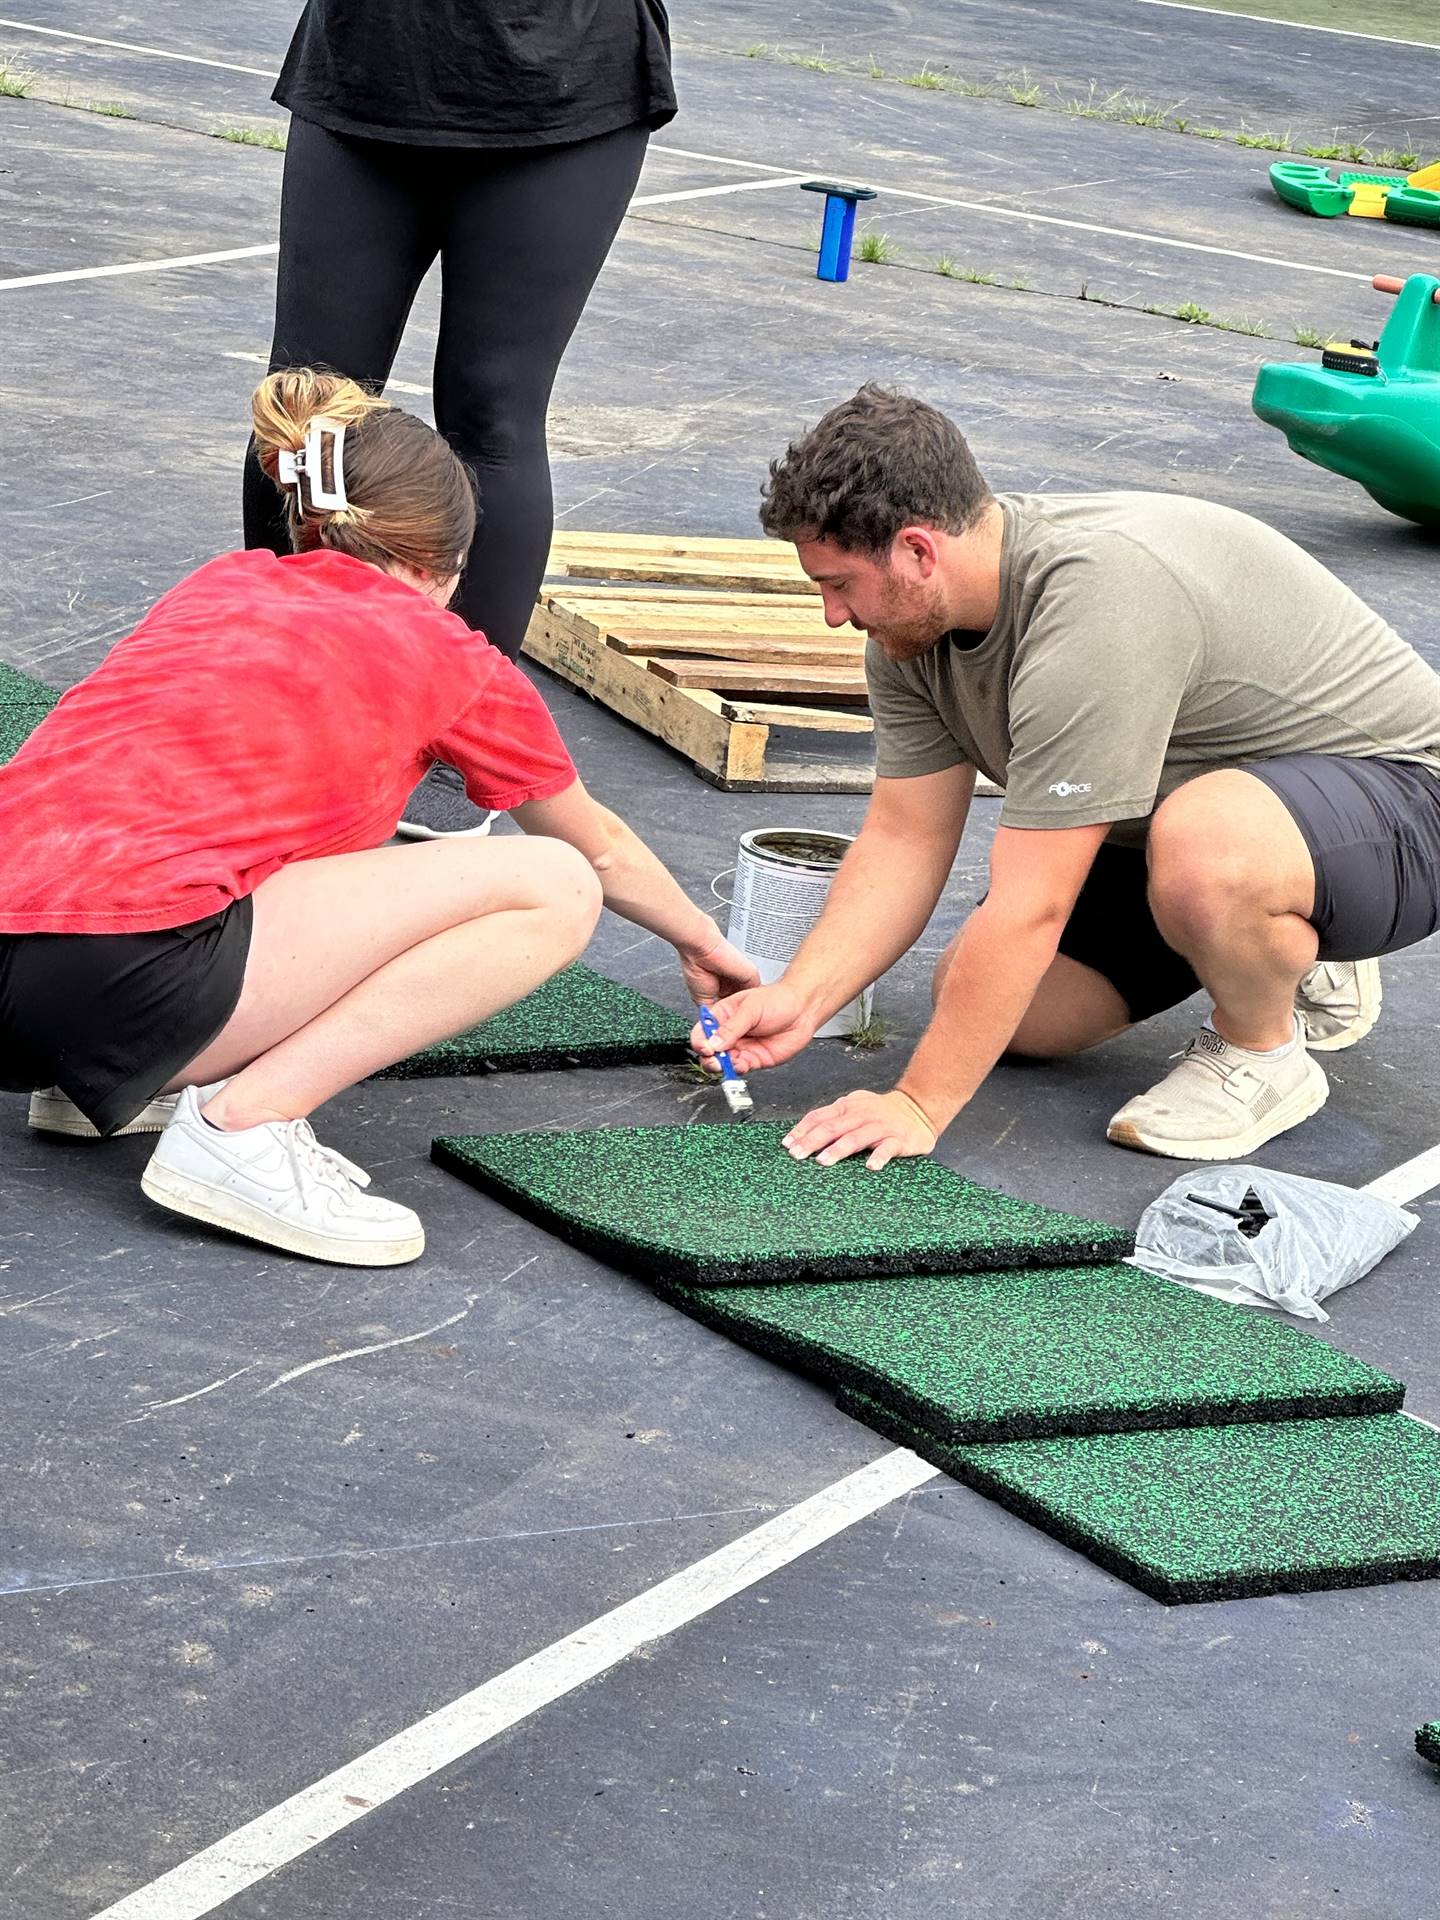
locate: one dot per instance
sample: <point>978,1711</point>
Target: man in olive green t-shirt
<point>1220,769</point>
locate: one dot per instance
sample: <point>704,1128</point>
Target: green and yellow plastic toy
<point>1413,198</point>
<point>1371,413</point>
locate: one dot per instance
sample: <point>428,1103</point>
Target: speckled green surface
<point>1427,1741</point>
<point>23,689</point>
<point>24,703</point>
<point>724,1205</point>
<point>578,1019</point>
<point>1218,1513</point>
<point>1011,1355</point>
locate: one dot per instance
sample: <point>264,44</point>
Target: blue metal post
<point>836,238</point>
<point>837,232</point>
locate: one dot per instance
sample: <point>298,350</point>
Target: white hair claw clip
<point>308,460</point>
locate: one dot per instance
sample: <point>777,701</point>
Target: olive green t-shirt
<point>1141,639</point>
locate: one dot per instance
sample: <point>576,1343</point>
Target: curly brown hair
<point>874,464</point>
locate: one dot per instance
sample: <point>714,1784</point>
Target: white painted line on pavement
<point>706,193</point>
<point>1117,233</point>
<point>139,266</point>
<point>1303,26</point>
<point>1409,1180</point>
<point>256,1850</point>
<point>263,360</point>
<point>129,46</point>
<point>254,253</point>
<point>717,159</point>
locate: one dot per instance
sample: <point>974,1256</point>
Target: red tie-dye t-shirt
<point>266,710</point>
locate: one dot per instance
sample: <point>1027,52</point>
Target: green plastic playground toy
<point>1416,206</point>
<point>1372,415</point>
<point>1407,197</point>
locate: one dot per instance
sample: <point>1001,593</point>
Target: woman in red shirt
<point>201,928</point>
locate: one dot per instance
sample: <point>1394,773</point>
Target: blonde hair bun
<point>284,404</point>
<point>405,498</point>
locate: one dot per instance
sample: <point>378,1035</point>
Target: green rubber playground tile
<point>24,703</point>
<point>725,1205</point>
<point>576,1019</point>
<point>1218,1513</point>
<point>1016,1355</point>
<point>23,689</point>
<point>1427,1742</point>
<point>17,723</point>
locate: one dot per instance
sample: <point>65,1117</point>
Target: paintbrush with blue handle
<point>737,1094</point>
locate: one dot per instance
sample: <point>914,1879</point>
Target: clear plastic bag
<point>1268,1239</point>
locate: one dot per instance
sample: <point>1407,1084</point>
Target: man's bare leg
<point>1074,1008</point>
<point>1232,886</point>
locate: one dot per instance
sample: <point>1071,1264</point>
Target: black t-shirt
<point>479,73</point>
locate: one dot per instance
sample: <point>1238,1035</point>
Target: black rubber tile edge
<point>1136,1573</point>
<point>877,1387</point>
<point>628,1256</point>
<point>21,689</point>
<point>652,1053</point>
<point>1427,1742</point>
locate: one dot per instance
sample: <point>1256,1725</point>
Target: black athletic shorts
<point>110,1017</point>
<point>1373,830</point>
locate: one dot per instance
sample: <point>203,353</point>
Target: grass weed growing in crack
<point>271,137</point>
<point>1119,106</point>
<point>16,81</point>
<point>1271,142</point>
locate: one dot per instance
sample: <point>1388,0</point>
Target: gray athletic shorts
<point>1373,830</point>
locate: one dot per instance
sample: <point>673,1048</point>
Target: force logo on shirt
<point>1064,788</point>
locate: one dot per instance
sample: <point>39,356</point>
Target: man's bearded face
<point>904,617</point>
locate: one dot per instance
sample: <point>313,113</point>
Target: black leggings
<point>521,234</point>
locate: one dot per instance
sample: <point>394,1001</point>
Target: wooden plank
<point>723,749</point>
<point>836,683</point>
<point>674,593</point>
<point>811,719</point>
<point>799,776</point>
<point>668,567</point>
<point>570,540</point>
<point>735,646</point>
<point>700,616</point>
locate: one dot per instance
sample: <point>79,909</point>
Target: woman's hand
<point>890,1126</point>
<point>713,970</point>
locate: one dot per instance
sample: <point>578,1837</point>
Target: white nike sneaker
<point>1221,1103</point>
<point>275,1183</point>
<point>52,1112</point>
<point>1338,1002</point>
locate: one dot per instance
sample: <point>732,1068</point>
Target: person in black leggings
<point>503,137</point>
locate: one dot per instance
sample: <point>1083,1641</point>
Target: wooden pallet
<point>710,645</point>
<point>767,566</point>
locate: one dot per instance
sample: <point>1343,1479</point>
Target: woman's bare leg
<point>358,959</point>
